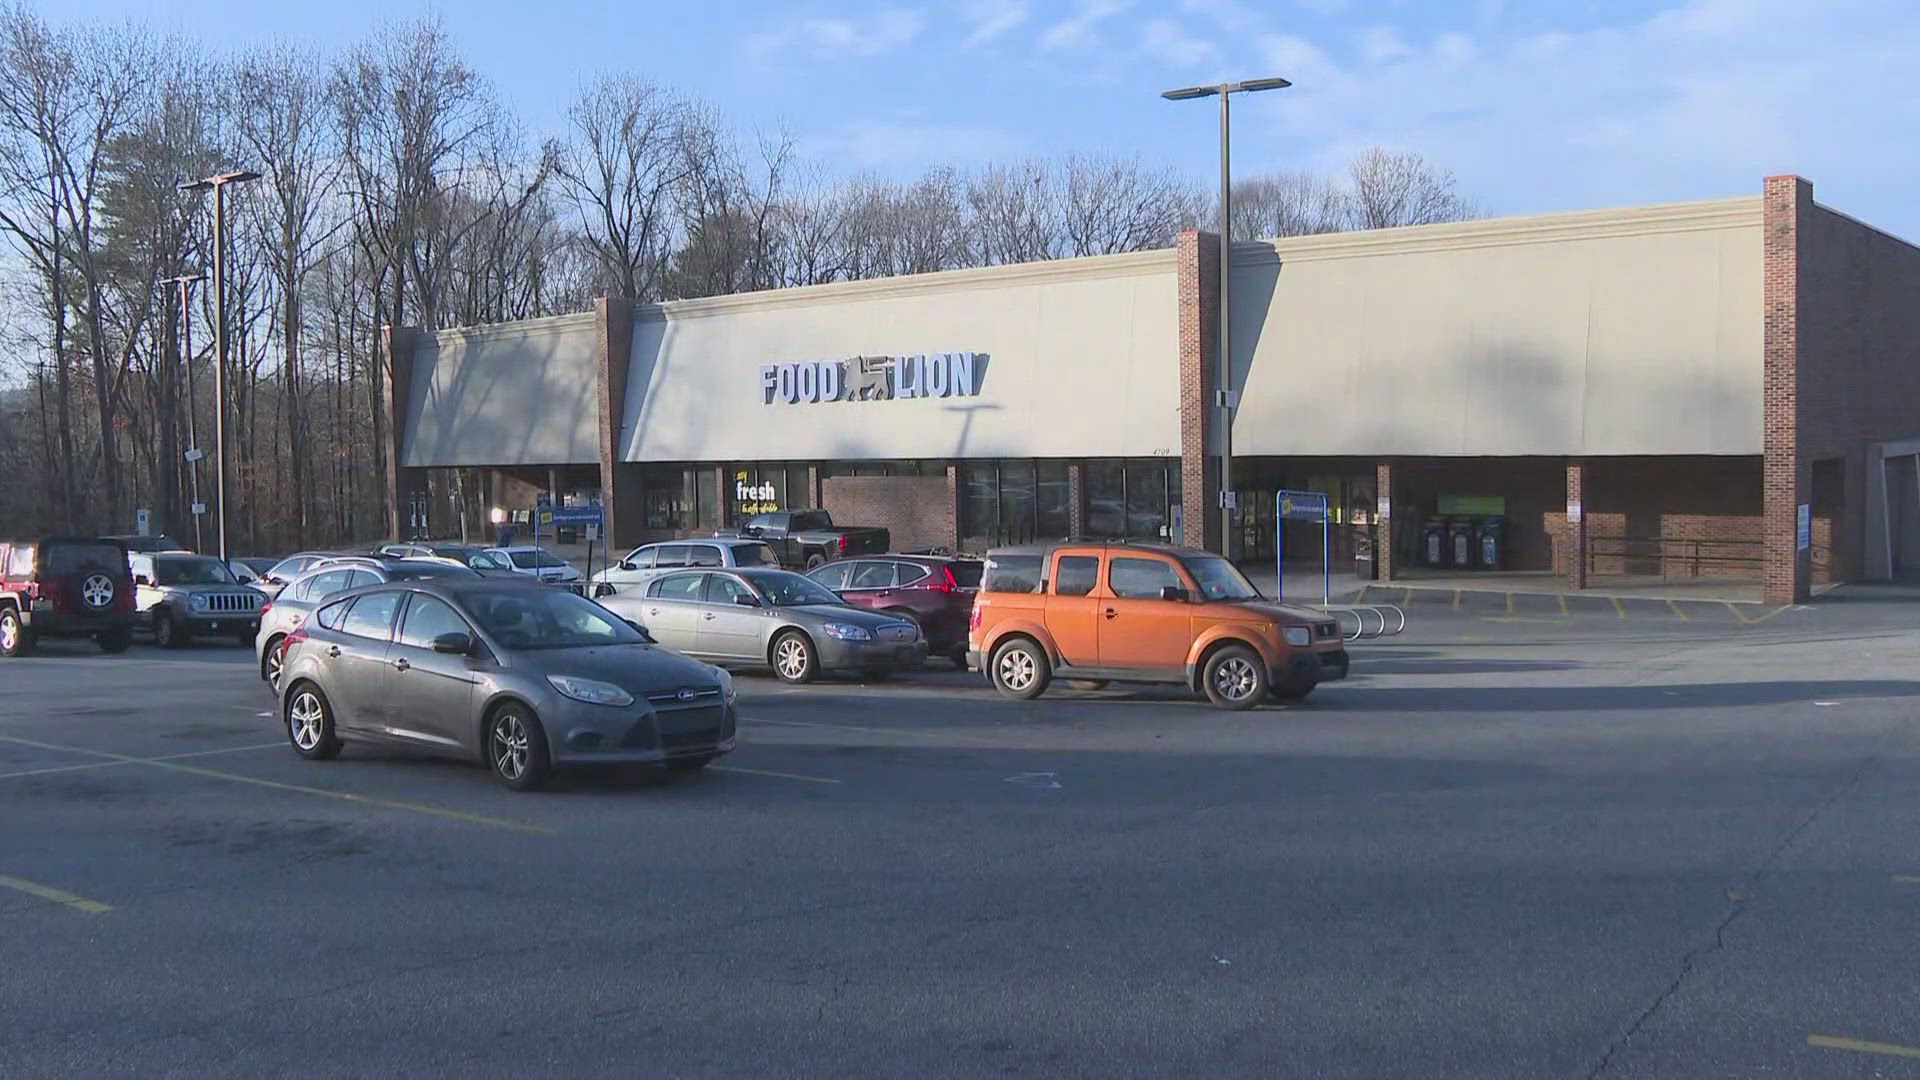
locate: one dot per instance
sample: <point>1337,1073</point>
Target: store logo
<point>872,378</point>
<point>745,492</point>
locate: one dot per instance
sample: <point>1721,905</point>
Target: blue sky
<point>1535,104</point>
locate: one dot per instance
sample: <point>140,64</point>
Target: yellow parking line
<point>1678,614</point>
<point>1509,603</point>
<point>1735,611</point>
<point>769,772</point>
<point>1769,614</point>
<point>1618,608</point>
<point>1563,603</point>
<point>137,761</point>
<point>58,896</point>
<point>1835,1042</point>
<point>1906,879</point>
<point>65,768</point>
<point>1456,599</point>
<point>391,804</point>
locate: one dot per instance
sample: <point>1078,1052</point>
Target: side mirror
<point>1173,592</point>
<point>741,600</point>
<point>625,565</point>
<point>639,629</point>
<point>142,579</point>
<point>455,644</point>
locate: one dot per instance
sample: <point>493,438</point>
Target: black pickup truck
<point>804,539</point>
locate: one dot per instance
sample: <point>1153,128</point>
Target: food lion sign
<point>871,378</point>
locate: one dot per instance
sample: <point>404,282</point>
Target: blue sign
<point>1301,506</point>
<point>571,515</point>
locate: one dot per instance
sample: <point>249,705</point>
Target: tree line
<point>397,188</point>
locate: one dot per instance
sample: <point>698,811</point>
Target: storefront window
<point>1132,499</point>
<point>679,497</point>
<point>883,468</point>
<point>1014,501</point>
<point>764,487</point>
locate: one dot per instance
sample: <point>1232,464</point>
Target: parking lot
<point>1614,847</point>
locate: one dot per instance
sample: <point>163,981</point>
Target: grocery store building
<point>1725,389</point>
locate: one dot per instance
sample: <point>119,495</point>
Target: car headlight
<point>198,601</point>
<point>590,691</point>
<point>1299,636</point>
<point>847,632</point>
<point>727,692</point>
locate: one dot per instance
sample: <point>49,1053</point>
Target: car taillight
<point>842,544</point>
<point>54,592</point>
<point>123,600</point>
<point>943,583</point>
<point>973,617</point>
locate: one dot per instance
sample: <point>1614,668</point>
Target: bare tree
<point>1392,189</point>
<point>620,169</point>
<point>1119,205</point>
<point>1287,204</point>
<point>1016,210</point>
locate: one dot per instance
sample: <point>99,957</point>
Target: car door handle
<point>401,664</point>
<point>333,651</point>
<point>1111,613</point>
<point>708,615</point>
<point>653,611</point>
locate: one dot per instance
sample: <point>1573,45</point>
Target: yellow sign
<point>1286,506</point>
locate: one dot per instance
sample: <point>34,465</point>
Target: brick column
<point>1576,525</point>
<point>1786,475</point>
<point>1077,499</point>
<point>400,344</point>
<point>1197,256</point>
<point>951,522</point>
<point>722,479</point>
<point>622,503</point>
<point>1383,553</point>
<point>813,487</point>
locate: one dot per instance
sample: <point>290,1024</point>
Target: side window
<point>321,586</point>
<point>833,575</point>
<point>767,521</point>
<point>361,577</point>
<point>331,615</point>
<point>670,556</point>
<point>912,573</point>
<point>872,575</point>
<point>722,589</point>
<point>1074,575</point>
<point>682,587</point>
<point>1140,579</point>
<point>643,559</point>
<point>3,561</point>
<point>705,555</point>
<point>371,616</point>
<point>427,618</point>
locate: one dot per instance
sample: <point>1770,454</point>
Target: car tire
<point>167,633</point>
<point>688,764</point>
<point>15,638</point>
<point>308,717</point>
<point>1234,678</point>
<point>1020,669</point>
<point>516,747</point>
<point>794,658</point>
<point>114,642</point>
<point>273,662</point>
<point>815,561</point>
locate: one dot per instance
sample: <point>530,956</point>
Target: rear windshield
<point>1011,573</point>
<point>754,555</point>
<point>70,558</point>
<point>412,571</point>
<point>528,560</point>
<point>811,522</point>
<point>966,573</point>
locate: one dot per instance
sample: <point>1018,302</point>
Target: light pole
<point>1225,397</point>
<point>186,283</point>
<point>219,185</point>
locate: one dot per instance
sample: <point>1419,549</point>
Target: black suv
<point>65,586</point>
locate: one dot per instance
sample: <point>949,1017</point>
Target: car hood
<point>851,615</point>
<point>207,590</point>
<point>1268,609</point>
<point>637,669</point>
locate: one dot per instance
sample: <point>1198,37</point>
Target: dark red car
<point>933,591</point>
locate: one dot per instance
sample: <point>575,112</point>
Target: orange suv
<point>1144,613</point>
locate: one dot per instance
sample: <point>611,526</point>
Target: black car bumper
<point>1312,668</point>
<point>47,622</point>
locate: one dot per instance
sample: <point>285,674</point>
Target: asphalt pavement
<point>1632,847</point>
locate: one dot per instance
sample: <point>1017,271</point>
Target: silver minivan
<point>650,561</point>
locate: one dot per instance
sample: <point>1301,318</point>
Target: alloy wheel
<point>1015,669</point>
<point>791,658</point>
<point>508,747</point>
<point>276,664</point>
<point>9,634</point>
<point>97,591</point>
<point>1235,679</point>
<point>306,719</point>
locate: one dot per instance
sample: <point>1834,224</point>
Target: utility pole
<point>193,454</point>
<point>219,185</point>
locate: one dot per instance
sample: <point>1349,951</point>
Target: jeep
<point>181,596</point>
<point>1151,613</point>
<point>67,586</point>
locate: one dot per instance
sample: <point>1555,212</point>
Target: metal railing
<point>1388,618</point>
<point>1685,558</point>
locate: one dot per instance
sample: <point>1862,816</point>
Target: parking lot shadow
<point>1602,698</point>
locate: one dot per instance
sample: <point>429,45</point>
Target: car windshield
<point>244,572</point>
<point>753,555</point>
<point>528,560</point>
<point>71,558</point>
<point>536,618</point>
<point>474,557</point>
<point>199,571</point>
<point>1220,580</point>
<point>792,590</point>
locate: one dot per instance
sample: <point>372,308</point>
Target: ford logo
<point>688,694</point>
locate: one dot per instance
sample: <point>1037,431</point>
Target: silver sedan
<point>773,618</point>
<point>520,677</point>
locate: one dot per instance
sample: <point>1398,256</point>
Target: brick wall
<point>1675,517</point>
<point>1787,201</point>
<point>1197,257</point>
<point>920,511</point>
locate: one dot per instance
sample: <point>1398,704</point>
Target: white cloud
<point>1166,41</point>
<point>897,144</point>
<point>1701,99</point>
<point>992,18</point>
<point>1077,30</point>
<point>874,34</point>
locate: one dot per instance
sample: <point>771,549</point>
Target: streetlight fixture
<point>219,184</point>
<point>193,455</point>
<point>1225,397</point>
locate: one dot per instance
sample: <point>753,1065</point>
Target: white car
<point>539,562</point>
<point>649,561</point>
